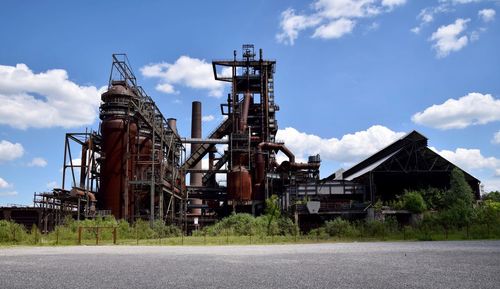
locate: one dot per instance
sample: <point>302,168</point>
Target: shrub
<point>339,227</point>
<point>413,202</point>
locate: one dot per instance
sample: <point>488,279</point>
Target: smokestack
<point>172,123</point>
<point>195,179</point>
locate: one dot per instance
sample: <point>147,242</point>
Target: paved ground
<point>474,264</point>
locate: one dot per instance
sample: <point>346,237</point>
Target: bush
<point>163,230</point>
<point>12,232</point>
<point>413,202</point>
<point>245,224</point>
<point>340,228</point>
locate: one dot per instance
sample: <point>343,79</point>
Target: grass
<point>410,235</point>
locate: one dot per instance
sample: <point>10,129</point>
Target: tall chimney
<point>172,123</point>
<point>195,179</point>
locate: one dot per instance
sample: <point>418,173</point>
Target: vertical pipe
<point>152,189</point>
<point>196,178</point>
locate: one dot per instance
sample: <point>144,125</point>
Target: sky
<point>352,76</point>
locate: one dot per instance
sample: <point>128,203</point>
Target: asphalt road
<point>474,264</point>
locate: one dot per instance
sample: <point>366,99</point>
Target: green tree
<point>492,196</point>
<point>458,201</point>
<point>413,202</point>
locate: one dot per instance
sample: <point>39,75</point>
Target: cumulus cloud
<point>4,184</point>
<point>469,159</point>
<point>348,149</point>
<point>334,29</point>
<point>185,71</point>
<point>331,18</point>
<point>46,99</point>
<point>207,118</point>
<point>487,15</point>
<point>496,138</point>
<point>450,38</point>
<point>473,161</point>
<point>291,24</point>
<point>37,162</point>
<point>10,151</point>
<point>472,109</point>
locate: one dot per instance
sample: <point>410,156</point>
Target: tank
<point>118,132</point>
<point>239,184</point>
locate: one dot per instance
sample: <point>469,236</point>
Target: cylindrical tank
<point>239,184</point>
<point>260,177</point>
<point>113,169</point>
<point>114,128</point>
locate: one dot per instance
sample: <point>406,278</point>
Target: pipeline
<point>244,112</point>
<point>82,193</point>
<point>277,146</point>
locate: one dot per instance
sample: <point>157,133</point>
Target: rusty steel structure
<point>249,131</point>
<point>130,168</point>
<point>135,166</point>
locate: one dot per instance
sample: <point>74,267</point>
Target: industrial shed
<point>406,164</point>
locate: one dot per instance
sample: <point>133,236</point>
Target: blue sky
<point>352,75</point>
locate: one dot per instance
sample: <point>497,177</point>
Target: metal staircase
<point>196,156</point>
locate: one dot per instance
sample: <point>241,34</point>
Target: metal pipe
<point>277,146</point>
<point>244,111</point>
<point>204,141</point>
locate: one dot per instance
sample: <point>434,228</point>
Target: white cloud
<point>470,159</point>
<point>461,1</point>
<point>449,38</point>
<point>473,161</point>
<point>46,99</point>
<point>4,184</point>
<point>331,18</point>
<point>166,88</point>
<point>427,15</point>
<point>416,30</point>
<point>348,149</point>
<point>291,24</point>
<point>487,15</point>
<point>186,71</point>
<point>496,138</point>
<point>10,151</point>
<point>472,109</point>
<point>334,9</point>
<point>492,184</point>
<point>334,29</point>
<point>393,3</point>
<point>8,194</point>
<point>37,162</point>
<point>207,118</point>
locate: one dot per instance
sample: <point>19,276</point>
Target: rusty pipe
<point>276,146</point>
<point>244,112</point>
<point>289,166</point>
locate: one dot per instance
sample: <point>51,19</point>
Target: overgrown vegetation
<point>451,214</point>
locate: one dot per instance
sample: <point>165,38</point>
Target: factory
<point>137,166</point>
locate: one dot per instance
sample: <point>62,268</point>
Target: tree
<point>413,202</point>
<point>492,196</point>
<point>458,202</point>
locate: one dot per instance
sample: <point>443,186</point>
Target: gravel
<point>464,264</point>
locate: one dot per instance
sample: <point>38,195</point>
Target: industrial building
<point>135,166</point>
